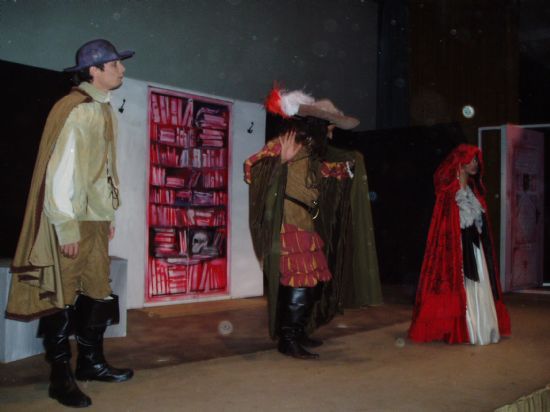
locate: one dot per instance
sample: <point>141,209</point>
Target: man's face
<point>110,77</point>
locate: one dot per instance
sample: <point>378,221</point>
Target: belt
<point>312,210</point>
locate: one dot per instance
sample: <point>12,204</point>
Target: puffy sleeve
<point>63,176</point>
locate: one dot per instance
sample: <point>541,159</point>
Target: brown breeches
<point>88,273</point>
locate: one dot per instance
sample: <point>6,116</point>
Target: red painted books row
<point>196,243</point>
<point>168,278</point>
<point>182,217</point>
<point>187,197</point>
<point>170,156</point>
<point>170,110</point>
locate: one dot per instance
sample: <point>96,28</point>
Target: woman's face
<point>471,168</point>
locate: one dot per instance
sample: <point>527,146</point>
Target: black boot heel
<point>294,349</point>
<point>309,342</point>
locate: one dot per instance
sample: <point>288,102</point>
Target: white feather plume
<point>291,101</point>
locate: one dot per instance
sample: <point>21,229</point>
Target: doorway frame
<point>503,180</point>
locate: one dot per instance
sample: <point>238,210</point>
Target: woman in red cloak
<point>459,299</point>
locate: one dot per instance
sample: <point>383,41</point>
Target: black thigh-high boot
<point>56,329</point>
<point>293,309</point>
<point>93,317</point>
<point>314,294</point>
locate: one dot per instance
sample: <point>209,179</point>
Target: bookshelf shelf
<point>188,195</point>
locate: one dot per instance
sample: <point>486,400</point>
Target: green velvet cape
<point>344,224</point>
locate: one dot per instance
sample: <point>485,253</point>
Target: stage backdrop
<point>233,48</point>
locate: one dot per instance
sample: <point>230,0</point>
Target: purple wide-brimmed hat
<point>97,52</point>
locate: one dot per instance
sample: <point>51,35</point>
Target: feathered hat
<point>291,103</point>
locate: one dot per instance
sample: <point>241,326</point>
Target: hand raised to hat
<point>289,147</point>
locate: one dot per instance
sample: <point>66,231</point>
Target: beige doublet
<point>296,187</point>
<point>77,186</point>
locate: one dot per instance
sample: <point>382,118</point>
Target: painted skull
<point>200,240</point>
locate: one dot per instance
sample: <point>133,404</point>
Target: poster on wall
<point>188,210</point>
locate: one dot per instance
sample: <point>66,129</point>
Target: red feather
<point>273,102</point>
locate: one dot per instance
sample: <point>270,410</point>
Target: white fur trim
<point>470,209</point>
<point>291,101</point>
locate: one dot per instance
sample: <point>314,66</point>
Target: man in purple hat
<point>61,266</point>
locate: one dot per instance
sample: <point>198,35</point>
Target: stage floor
<point>220,358</point>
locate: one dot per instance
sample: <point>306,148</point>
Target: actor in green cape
<point>60,272</point>
<point>311,222</point>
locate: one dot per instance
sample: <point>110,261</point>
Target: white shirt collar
<point>96,94</point>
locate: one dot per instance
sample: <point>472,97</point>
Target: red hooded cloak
<point>440,308</point>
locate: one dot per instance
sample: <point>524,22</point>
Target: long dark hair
<point>311,132</point>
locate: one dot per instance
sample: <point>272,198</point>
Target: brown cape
<point>36,279</point>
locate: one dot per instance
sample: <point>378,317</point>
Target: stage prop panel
<point>516,183</point>
<point>188,192</point>
<point>525,205</point>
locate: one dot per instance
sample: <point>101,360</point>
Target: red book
<point>188,115</point>
<point>163,109</point>
<point>173,110</point>
<point>155,112</point>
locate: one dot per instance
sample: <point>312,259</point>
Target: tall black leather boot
<point>293,309</point>
<point>314,294</point>
<point>93,317</point>
<point>56,329</point>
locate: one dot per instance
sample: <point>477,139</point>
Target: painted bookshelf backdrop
<point>188,196</point>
